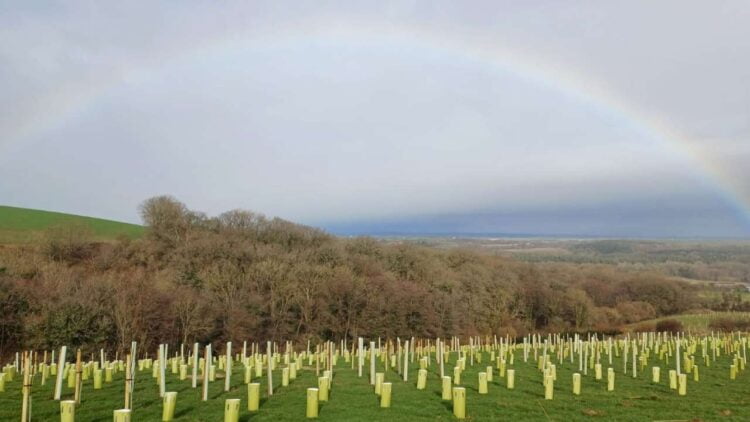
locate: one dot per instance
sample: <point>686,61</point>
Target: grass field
<point>696,323</point>
<point>714,397</point>
<point>22,225</point>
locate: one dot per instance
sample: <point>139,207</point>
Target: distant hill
<point>23,225</point>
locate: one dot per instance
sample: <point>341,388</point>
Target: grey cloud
<point>105,105</point>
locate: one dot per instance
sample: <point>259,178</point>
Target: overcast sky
<point>605,118</point>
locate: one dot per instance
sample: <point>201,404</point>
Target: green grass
<point>696,323</point>
<point>715,397</point>
<point>23,225</point>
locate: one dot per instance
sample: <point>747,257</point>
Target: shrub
<point>70,244</point>
<point>636,311</point>
<point>644,327</point>
<point>669,325</point>
<point>729,324</point>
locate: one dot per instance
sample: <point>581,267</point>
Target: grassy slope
<point>22,225</point>
<point>715,397</point>
<point>695,323</point>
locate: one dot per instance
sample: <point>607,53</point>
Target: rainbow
<point>67,104</point>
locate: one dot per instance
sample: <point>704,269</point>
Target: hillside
<point>23,225</point>
<point>241,274</point>
<point>700,323</point>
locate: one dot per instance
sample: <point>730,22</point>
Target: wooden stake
<point>196,352</point>
<point>162,369</point>
<point>270,367</point>
<point>79,370</point>
<point>360,355</point>
<point>128,380</point>
<point>372,363</point>
<point>26,403</point>
<point>406,361</point>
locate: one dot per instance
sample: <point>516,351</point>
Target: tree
<point>669,325</point>
<point>69,243</point>
<point>577,308</point>
<point>13,308</point>
<point>168,220</point>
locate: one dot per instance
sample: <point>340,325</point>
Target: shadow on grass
<point>448,406</point>
<point>248,417</point>
<point>184,412</point>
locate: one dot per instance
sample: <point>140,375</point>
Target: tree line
<point>243,276</point>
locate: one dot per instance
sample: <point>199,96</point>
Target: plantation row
<point>644,377</point>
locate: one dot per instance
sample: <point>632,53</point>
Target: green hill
<point>23,225</point>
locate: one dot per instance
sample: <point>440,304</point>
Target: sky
<point>576,118</point>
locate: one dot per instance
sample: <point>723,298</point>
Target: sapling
<point>253,396</point>
<point>385,394</point>
<point>312,403</point>
<point>511,378</point>
<point>459,402</point>
<point>232,410</point>
<point>122,415</point>
<point>67,411</point>
<point>169,403</point>
<point>682,382</point>
<point>482,383</point>
<point>422,379</point>
<point>447,393</point>
<point>97,379</point>
<point>323,388</point>
<point>379,378</point>
<point>549,387</point>
<point>248,373</point>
